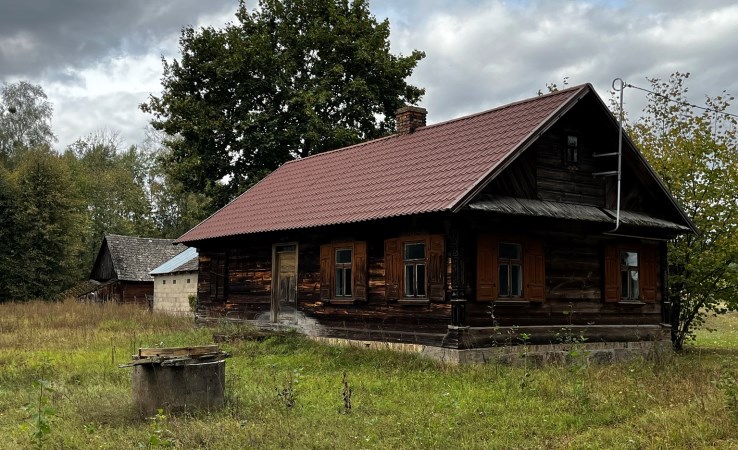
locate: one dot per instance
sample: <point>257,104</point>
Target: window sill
<point>413,301</point>
<point>631,303</point>
<point>347,301</point>
<point>507,302</point>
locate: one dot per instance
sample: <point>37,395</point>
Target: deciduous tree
<point>696,154</point>
<point>290,79</point>
<point>25,119</point>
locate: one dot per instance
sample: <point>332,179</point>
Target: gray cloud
<point>97,60</point>
<point>48,38</point>
<point>487,53</point>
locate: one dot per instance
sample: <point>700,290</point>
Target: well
<point>181,379</point>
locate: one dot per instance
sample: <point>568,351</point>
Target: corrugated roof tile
<point>425,171</point>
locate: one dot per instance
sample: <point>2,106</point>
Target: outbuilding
<point>175,283</point>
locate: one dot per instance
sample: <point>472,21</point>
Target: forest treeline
<point>56,206</point>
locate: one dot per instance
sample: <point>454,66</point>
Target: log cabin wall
<point>574,265</point>
<point>137,292</point>
<point>247,294</point>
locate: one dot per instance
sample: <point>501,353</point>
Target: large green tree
<point>289,79</point>
<point>696,154</point>
<point>46,215</point>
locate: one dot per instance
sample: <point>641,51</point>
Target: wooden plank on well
<point>177,351</point>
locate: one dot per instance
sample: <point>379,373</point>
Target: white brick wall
<point>171,292</point>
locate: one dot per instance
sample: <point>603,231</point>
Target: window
<point>510,269</point>
<point>572,150</point>
<point>188,281</point>
<point>174,281</point>
<point>343,272</point>
<point>416,269</point>
<point>631,273</point>
<point>629,288</point>
<point>163,281</point>
<point>414,262</point>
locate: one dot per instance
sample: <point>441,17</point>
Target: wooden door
<point>284,285</point>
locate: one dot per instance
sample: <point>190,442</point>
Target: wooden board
<point>177,351</point>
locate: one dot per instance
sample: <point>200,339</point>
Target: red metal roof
<point>429,170</point>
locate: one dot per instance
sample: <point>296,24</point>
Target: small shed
<point>175,282</point>
<point>122,268</point>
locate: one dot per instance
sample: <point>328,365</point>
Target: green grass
<point>399,400</point>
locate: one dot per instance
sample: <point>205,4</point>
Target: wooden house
<point>448,235</point>
<point>174,282</point>
<point>122,268</point>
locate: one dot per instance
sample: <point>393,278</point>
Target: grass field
<point>398,400</point>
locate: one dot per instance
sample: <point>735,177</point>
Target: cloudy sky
<point>99,59</point>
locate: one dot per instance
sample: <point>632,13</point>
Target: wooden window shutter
<point>326,271</point>
<point>392,268</point>
<point>648,273</point>
<point>534,271</point>
<point>360,270</point>
<point>437,268</point>
<point>487,267</point>
<point>612,274</point>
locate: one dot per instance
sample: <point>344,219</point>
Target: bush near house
<point>397,400</point>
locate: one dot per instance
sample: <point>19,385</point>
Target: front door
<point>284,284</point>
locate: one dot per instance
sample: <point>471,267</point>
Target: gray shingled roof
<point>134,257</point>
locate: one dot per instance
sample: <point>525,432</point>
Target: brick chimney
<point>410,118</point>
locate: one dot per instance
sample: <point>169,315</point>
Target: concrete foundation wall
<point>172,292</point>
<point>594,352</point>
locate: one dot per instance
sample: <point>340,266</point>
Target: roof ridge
<point>137,237</point>
<point>445,122</point>
<point>508,105</point>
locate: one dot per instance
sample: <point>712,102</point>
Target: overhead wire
<point>680,102</point>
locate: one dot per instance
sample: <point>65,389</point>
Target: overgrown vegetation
<point>396,400</point>
<point>696,154</point>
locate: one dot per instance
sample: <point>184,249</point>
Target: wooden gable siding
<point>541,172</point>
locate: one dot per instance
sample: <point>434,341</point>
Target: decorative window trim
<point>435,266</point>
<point>328,268</point>
<point>533,269</point>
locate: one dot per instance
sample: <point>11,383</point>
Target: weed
<point>287,391</point>
<point>160,436</point>
<point>39,422</point>
<point>346,394</point>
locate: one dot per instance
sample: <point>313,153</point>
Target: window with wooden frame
<point>631,273</point>
<point>415,268</point>
<point>414,263</point>
<point>344,280</point>
<point>343,270</point>
<point>510,268</point>
<point>510,264</point>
